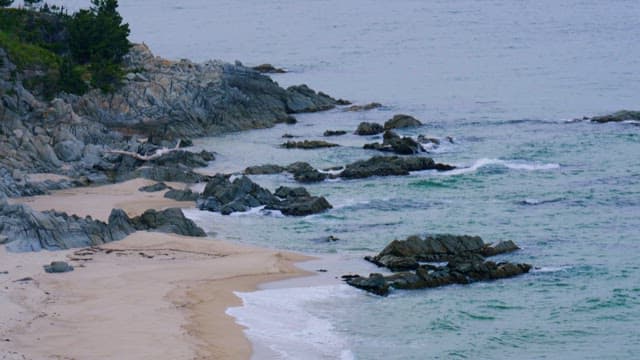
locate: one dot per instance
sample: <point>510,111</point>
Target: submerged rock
<point>369,106</point>
<point>334,133</point>
<point>308,144</point>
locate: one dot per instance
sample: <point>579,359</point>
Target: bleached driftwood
<point>155,155</point>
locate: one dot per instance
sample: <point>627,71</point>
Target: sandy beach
<point>149,296</point>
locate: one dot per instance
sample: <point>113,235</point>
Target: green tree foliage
<point>5,3</point>
<point>98,38</point>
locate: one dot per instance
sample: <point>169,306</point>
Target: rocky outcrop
<point>183,98</point>
<point>301,171</point>
<point>25,229</point>
<point>308,144</point>
<point>367,128</point>
<point>401,121</point>
<point>465,256</point>
<point>390,166</point>
<point>622,115</point>
<point>405,254</point>
<point>225,196</point>
<point>392,142</point>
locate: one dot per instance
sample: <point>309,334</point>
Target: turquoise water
<point>502,78</point>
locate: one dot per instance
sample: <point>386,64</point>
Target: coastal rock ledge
<point>465,256</point>
<point>187,99</point>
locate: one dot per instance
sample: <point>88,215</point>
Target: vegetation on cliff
<point>54,51</point>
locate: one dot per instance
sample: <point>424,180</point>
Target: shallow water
<point>502,78</point>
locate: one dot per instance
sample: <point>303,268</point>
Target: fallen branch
<point>155,155</point>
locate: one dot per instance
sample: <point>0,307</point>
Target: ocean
<point>505,80</point>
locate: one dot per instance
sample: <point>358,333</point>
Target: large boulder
<point>171,220</point>
<point>69,150</point>
<point>401,121</point>
<point>367,128</point>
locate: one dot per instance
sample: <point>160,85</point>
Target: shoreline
<point>157,294</point>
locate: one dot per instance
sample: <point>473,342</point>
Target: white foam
<point>510,164</point>
<point>279,322</point>
<point>546,269</point>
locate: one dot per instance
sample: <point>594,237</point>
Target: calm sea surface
<point>502,78</point>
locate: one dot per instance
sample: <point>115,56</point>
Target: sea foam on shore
<point>281,323</point>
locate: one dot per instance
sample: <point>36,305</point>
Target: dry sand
<point>149,296</point>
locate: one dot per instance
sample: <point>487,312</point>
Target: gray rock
<point>242,194</point>
<point>618,116</point>
<point>308,144</point>
<point>154,187</point>
<point>267,169</point>
<point>30,230</point>
<point>367,128</point>
<point>69,150</point>
<point>370,106</point>
<point>401,121</point>
<point>268,69</point>
<point>334,133</point>
<point>305,173</point>
<point>181,195</point>
<point>58,267</point>
<point>396,144</point>
<point>390,166</point>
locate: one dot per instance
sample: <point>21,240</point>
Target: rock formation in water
<point>465,256</point>
<point>225,196</point>
<point>392,142</point>
<point>622,115</point>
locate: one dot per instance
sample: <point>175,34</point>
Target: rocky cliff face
<point>160,100</point>
<point>182,98</point>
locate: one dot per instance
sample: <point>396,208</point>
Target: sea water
<point>504,79</point>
